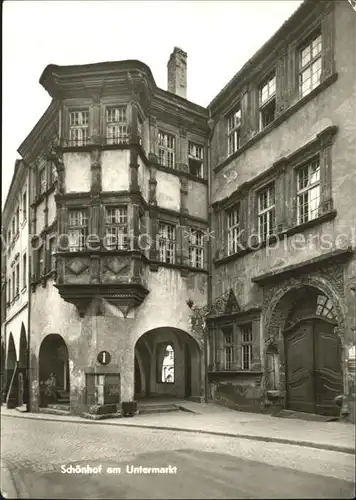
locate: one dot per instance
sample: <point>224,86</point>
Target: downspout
<point>210,254</point>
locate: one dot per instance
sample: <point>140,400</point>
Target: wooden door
<point>299,346</point>
<point>328,376</point>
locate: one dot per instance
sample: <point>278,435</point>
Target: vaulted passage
<point>53,370</point>
<point>167,364</point>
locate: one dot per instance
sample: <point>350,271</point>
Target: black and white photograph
<point>178,249</point>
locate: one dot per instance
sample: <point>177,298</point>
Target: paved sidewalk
<point>213,419</point>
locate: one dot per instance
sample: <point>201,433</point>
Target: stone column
<point>182,151</point>
<point>245,117</point>
<point>326,142</point>
<point>280,193</point>
<point>281,83</point>
<point>328,42</point>
<point>182,237</point>
<point>153,135</point>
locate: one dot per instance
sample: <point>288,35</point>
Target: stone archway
<point>22,376</point>
<point>303,326</point>
<point>168,362</point>
<point>54,370</point>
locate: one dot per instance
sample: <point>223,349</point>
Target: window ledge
<point>277,121</point>
<point>328,216</point>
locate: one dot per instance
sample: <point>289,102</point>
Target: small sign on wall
<point>104,357</point>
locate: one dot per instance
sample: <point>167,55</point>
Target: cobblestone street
<point>207,466</point>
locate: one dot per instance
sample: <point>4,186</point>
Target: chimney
<point>177,73</point>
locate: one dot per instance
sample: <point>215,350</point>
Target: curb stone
<point>266,439</point>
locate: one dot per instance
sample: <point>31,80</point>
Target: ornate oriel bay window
<point>77,229</point>
<point>116,228</point>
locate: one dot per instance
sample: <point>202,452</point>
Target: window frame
<point>234,131</point>
<point>140,129</point>
<point>229,348</point>
<point>196,251</point>
<point>42,180</point>
<point>231,237</point>
<point>167,150</point>
<point>308,42</point>
<point>196,159</point>
<point>167,241</point>
<point>80,247</point>
<point>271,99</point>
<point>122,126</point>
<point>24,206</point>
<point>271,208</point>
<point>86,140</point>
<point>300,192</point>
<point>24,270</point>
<point>17,274</point>
<point>17,219</point>
<point>52,255</point>
<point>246,344</point>
<point>118,226</point>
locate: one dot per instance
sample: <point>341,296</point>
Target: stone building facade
<point>118,214</point>
<point>14,290</point>
<point>283,182</point>
<point>221,238</point>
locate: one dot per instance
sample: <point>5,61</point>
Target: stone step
<point>311,417</point>
<point>54,411</point>
<point>22,409</point>
<point>144,409</point>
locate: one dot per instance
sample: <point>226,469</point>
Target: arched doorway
<point>22,376</point>
<point>167,364</point>
<point>54,370</point>
<point>10,374</point>
<point>310,351</point>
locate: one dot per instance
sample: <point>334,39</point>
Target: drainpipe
<point>210,260</point>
